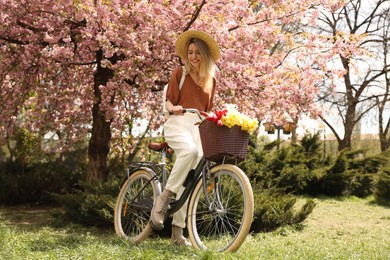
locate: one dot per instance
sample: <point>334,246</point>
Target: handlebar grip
<point>190,110</point>
<point>183,111</point>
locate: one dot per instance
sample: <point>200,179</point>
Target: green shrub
<point>33,182</point>
<point>293,168</point>
<point>276,176</point>
<point>93,205</point>
<point>333,182</point>
<point>358,184</point>
<point>89,209</point>
<point>382,185</point>
<point>352,174</point>
<point>274,208</point>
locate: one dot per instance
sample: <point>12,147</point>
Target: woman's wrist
<point>174,110</point>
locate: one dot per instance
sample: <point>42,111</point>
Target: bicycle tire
<point>134,205</point>
<point>223,224</point>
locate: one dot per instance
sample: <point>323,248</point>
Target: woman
<point>199,51</point>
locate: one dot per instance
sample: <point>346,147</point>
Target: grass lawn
<point>341,228</point>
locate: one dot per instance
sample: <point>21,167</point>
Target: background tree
<point>89,67</point>
<point>355,36</point>
<point>382,100</point>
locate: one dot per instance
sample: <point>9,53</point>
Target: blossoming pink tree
<point>76,67</point>
<point>360,36</point>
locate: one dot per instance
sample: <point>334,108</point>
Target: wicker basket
<point>221,142</point>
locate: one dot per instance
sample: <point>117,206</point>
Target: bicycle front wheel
<point>134,205</point>
<point>220,220</point>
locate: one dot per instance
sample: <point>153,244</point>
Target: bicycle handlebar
<point>191,110</point>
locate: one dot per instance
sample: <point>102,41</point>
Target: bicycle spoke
<point>133,207</point>
<point>217,220</point>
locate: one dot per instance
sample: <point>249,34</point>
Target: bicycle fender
<point>154,177</point>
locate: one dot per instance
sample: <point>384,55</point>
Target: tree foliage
<point>76,67</point>
<point>360,36</point>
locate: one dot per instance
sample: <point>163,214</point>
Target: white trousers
<point>182,135</point>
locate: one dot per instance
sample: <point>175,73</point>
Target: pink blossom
<point>48,70</point>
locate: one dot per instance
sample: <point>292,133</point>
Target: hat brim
<point>185,37</point>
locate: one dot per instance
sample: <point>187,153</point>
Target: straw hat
<point>185,37</point>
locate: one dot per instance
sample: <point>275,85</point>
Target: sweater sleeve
<point>173,90</point>
<point>211,104</point>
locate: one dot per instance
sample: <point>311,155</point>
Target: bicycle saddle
<point>159,146</point>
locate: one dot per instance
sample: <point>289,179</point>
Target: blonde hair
<point>207,66</point>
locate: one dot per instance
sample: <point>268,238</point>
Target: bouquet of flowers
<point>229,116</point>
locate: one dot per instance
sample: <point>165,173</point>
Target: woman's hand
<point>176,110</point>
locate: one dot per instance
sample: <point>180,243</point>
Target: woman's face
<point>194,56</point>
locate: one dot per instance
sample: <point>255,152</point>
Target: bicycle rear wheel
<point>223,222</point>
<point>134,205</point>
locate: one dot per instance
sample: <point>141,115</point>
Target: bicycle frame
<point>160,176</point>
<point>200,172</point>
<point>220,202</point>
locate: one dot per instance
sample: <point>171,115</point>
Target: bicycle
<point>220,208</point>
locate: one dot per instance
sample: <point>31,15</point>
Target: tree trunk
<point>294,137</point>
<point>98,147</point>
<point>384,127</point>
<point>385,143</point>
<point>99,143</point>
<point>349,122</point>
<point>346,142</point>
<point>383,131</point>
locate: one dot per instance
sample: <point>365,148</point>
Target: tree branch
<point>331,128</point>
<point>10,40</point>
<point>194,16</point>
